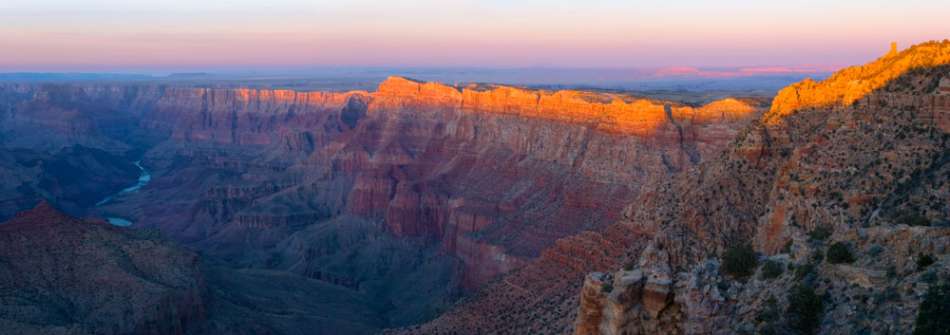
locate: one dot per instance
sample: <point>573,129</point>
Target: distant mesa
<point>686,72</point>
<point>69,77</point>
<point>190,75</point>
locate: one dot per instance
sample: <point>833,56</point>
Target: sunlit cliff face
<point>854,83</point>
<point>607,112</point>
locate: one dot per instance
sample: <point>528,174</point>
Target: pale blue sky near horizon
<point>99,35</point>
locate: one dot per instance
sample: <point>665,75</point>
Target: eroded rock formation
<point>839,189</point>
<point>375,192</point>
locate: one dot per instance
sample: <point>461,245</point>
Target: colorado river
<point>144,178</point>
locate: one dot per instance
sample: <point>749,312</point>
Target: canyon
<point>385,206</point>
<point>425,208</point>
<point>827,215</point>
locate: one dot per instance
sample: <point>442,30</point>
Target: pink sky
<point>100,35</point>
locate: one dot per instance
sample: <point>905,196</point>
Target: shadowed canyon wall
<point>417,189</point>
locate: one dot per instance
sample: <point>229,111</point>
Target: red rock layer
<point>606,112</point>
<point>242,116</point>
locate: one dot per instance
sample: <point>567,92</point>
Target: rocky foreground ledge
<point>831,215</point>
<point>60,275</point>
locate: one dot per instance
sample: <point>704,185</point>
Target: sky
<point>190,35</point>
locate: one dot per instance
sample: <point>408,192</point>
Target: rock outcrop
<point>847,86</point>
<point>839,189</point>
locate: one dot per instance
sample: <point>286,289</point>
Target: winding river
<point>144,178</point>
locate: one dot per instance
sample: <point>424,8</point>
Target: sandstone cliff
<point>607,112</point>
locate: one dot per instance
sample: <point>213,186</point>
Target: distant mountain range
<point>765,79</point>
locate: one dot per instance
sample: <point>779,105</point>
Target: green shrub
<point>804,309</point>
<point>840,253</point>
<point>818,257</point>
<point>739,261</point>
<point>769,311</point>
<point>820,233</point>
<point>934,314</point>
<point>723,285</point>
<point>923,261</point>
<point>803,271</point>
<point>887,294</point>
<point>928,277</point>
<point>629,266</point>
<point>772,269</point>
<point>787,248</point>
<point>914,219</point>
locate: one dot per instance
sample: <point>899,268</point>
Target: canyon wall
<point>867,174</point>
<point>840,191</point>
<point>493,174</point>
<point>551,212</point>
<point>468,183</point>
